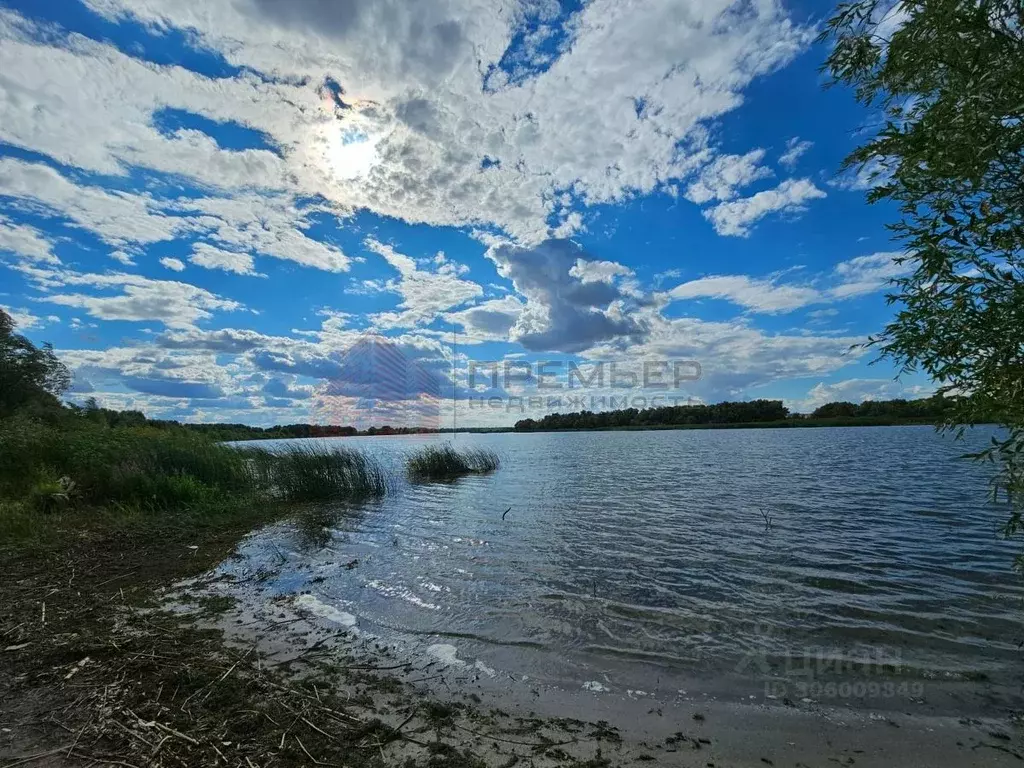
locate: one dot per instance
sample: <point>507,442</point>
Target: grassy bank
<point>71,474</point>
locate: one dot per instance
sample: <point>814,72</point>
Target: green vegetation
<point>756,413</point>
<point>312,473</point>
<point>947,77</point>
<point>445,463</point>
<point>69,469</point>
<point>74,467</point>
<point>30,377</point>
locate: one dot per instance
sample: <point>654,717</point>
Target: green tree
<point>946,78</point>
<point>28,374</point>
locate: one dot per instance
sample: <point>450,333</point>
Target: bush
<point>445,463</point>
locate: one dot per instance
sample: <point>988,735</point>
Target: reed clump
<point>445,463</point>
<point>318,473</point>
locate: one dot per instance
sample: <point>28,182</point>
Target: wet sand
<point>509,719</point>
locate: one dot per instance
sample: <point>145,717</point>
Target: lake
<point>861,564</point>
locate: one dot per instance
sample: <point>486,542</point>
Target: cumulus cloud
<point>857,391</point>
<point>395,106</point>
<point>280,388</point>
<point>425,294</point>
<point>563,312</point>
<point>117,217</point>
<point>738,216</point>
<point>270,225</point>
<point>172,387</point>
<point>26,242</point>
<point>733,355</point>
<point>175,265</point>
<point>599,271</point>
<point>445,112</point>
<point>720,179</point>
<point>205,255</point>
<point>489,321</point>
<point>23,319</point>
<point>153,371</point>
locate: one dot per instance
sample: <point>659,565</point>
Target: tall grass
<point>445,463</point>
<point>314,473</point>
<point>54,472</point>
<point>90,464</point>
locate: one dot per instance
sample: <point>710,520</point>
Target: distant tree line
<point>216,431</point>
<point>754,412</point>
<point>674,415</point>
<point>931,409</point>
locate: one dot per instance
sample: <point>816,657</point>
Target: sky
<point>205,205</point>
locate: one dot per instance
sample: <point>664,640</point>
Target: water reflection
<point>646,553</point>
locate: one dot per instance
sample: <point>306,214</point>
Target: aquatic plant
<point>317,473</point>
<point>444,463</point>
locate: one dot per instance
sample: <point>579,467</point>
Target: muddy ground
<point>103,663</point>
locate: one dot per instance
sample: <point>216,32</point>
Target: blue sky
<point>205,203</point>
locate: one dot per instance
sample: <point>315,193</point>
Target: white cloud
<point>23,319</point>
<point>425,295</point>
<point>26,242</point>
<point>733,355</point>
<point>412,76</point>
<point>765,296</point>
<point>795,149</point>
<point>86,104</point>
<point>720,179</point>
<point>599,271</point>
<point>488,321</point>
<point>857,391</point>
<point>176,265</point>
<point>173,303</point>
<point>867,274</point>
<point>738,216</point>
<point>124,258</point>
<point>204,255</point>
<point>856,277</point>
<point>873,173</point>
<point>116,217</point>
<point>270,225</point>
<point>563,312</point>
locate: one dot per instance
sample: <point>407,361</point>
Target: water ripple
<point>653,548</point>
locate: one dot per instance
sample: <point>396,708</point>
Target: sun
<point>351,152</point>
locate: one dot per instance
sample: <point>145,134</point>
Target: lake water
<point>769,562</point>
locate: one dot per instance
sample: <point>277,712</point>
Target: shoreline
<point>641,728</point>
<point>104,665</point>
<point>786,424</point>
